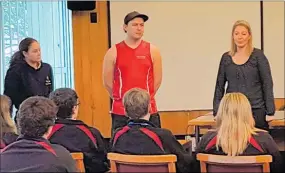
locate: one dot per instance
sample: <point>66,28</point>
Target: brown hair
<point>7,124</point>
<point>36,115</point>
<point>136,102</point>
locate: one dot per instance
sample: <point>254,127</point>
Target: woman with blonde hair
<point>8,131</point>
<point>246,69</point>
<point>236,134</point>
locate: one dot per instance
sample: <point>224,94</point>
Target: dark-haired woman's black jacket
<point>23,81</point>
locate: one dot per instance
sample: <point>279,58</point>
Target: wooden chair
<point>78,157</point>
<point>221,163</point>
<point>142,163</point>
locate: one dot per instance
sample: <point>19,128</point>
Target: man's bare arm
<point>157,67</point>
<point>108,69</point>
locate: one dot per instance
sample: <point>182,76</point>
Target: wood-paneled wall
<point>90,45</point>
<point>90,42</point>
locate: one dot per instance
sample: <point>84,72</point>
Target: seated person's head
<point>67,102</point>
<point>6,123</point>
<point>235,123</point>
<point>137,104</point>
<point>36,117</point>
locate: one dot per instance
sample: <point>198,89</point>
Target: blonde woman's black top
<point>252,78</point>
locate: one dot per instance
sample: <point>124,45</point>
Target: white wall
<point>274,43</point>
<point>192,36</point>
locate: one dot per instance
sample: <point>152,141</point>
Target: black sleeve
<point>200,148</point>
<point>12,86</point>
<point>51,79</point>
<point>100,140</point>
<point>205,139</point>
<point>220,86</point>
<point>267,83</point>
<point>272,149</point>
<point>184,159</point>
<point>66,159</point>
<point>101,153</point>
<point>111,142</point>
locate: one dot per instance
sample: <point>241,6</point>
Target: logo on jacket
<point>48,81</point>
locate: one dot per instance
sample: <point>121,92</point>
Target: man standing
<point>132,63</point>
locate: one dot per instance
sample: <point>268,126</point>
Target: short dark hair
<point>35,116</point>
<point>65,99</point>
<point>136,102</point>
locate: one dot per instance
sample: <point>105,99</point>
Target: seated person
<point>8,130</point>
<point>141,137</point>
<point>74,134</point>
<point>32,152</point>
<point>235,133</point>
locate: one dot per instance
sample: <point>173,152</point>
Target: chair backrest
<point>78,157</point>
<point>221,163</point>
<point>142,163</point>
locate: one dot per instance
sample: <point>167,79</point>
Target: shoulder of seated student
<point>114,134</point>
<point>210,134</point>
<point>205,139</point>
<point>62,153</point>
<point>95,132</point>
<point>65,158</point>
<point>59,149</point>
<point>164,133</point>
<point>263,136</point>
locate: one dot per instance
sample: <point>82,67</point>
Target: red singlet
<point>133,68</point>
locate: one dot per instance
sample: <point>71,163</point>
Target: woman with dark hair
<point>27,75</point>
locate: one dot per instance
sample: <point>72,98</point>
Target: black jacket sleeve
<point>220,85</point>
<point>111,142</point>
<point>267,83</point>
<point>51,79</point>
<point>272,149</point>
<point>12,86</point>
<point>184,159</point>
<point>206,138</point>
<point>65,159</point>
<point>102,164</point>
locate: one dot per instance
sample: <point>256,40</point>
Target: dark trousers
<point>121,121</point>
<point>259,116</point>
